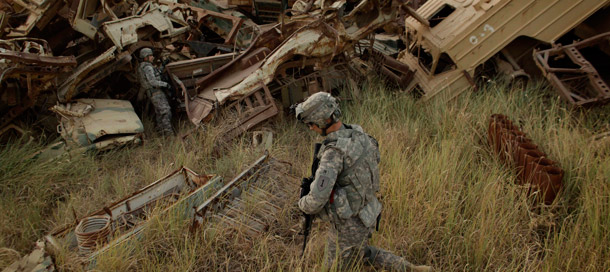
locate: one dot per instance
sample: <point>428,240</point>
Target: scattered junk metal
<point>122,220</point>
<point>247,202</point>
<point>250,201</point>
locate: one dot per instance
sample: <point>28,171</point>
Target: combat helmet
<point>317,109</point>
<point>145,52</point>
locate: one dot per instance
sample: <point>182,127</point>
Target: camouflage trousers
<point>163,112</point>
<point>350,241</point>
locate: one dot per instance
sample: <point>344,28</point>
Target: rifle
<point>305,185</point>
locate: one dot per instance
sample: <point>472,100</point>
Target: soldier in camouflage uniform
<point>345,187</point>
<point>150,80</point>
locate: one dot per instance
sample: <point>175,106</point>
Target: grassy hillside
<point>448,200</point>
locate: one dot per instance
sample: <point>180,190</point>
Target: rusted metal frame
<point>203,14</point>
<point>281,70</point>
<point>255,114</point>
<point>16,41</point>
<point>34,70</point>
<point>381,62</point>
<point>235,21</point>
<point>586,69</point>
<point>220,198</point>
<point>35,18</point>
<point>31,58</point>
<point>14,112</point>
<point>220,71</point>
<point>132,48</point>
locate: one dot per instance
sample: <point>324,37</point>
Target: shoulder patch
<point>323,182</point>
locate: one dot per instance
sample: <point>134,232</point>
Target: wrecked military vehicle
<point>450,43</point>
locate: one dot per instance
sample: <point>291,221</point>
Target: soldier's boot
<point>383,259</point>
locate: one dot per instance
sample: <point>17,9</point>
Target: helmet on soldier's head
<point>317,109</point>
<point>145,52</point>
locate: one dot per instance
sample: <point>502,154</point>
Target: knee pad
<point>369,255</point>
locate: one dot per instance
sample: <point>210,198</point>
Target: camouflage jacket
<point>150,77</point>
<point>348,176</point>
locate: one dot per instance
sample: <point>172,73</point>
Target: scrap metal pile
<point>216,56</point>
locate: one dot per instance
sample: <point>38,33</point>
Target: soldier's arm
<point>149,72</point>
<point>331,165</point>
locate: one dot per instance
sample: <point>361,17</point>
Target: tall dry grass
<point>448,200</point>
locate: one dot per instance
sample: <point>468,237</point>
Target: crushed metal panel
<point>190,71</point>
<point>200,106</point>
<point>81,23</point>
<point>89,122</point>
<point>90,14</point>
<point>124,31</point>
<point>469,33</point>
<point>575,77</point>
<point>396,71</point>
<point>322,39</point>
<point>37,15</point>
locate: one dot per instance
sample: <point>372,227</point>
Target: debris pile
<point>57,51</point>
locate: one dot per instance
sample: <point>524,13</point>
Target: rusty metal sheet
<point>573,75</point>
<point>90,14</point>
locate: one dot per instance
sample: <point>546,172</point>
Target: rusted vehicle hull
<point>458,36</point>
